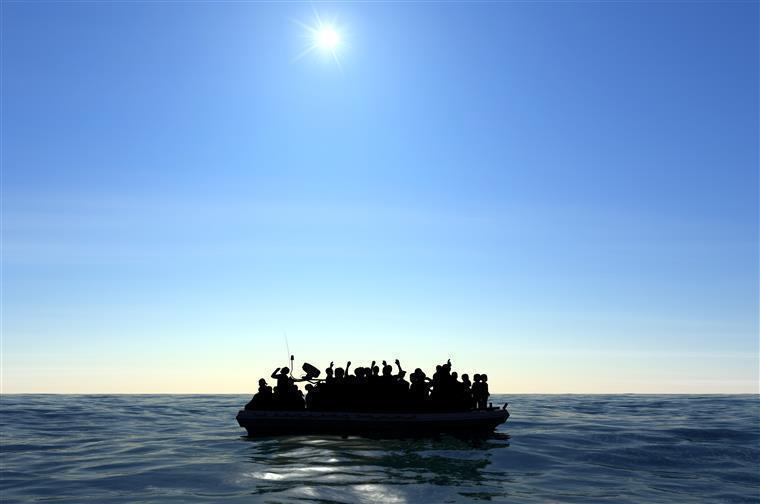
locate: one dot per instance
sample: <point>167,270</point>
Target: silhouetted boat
<point>268,423</point>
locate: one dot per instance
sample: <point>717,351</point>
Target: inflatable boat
<point>272,423</point>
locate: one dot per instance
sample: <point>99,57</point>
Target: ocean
<point>554,448</point>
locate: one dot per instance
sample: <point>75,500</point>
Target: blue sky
<point>562,195</point>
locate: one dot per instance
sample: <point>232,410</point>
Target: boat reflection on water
<point>361,469</point>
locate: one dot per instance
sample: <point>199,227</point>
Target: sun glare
<point>323,36</point>
<point>327,38</point>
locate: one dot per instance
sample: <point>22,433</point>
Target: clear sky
<point>562,195</point>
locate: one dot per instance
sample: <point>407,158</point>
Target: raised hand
<point>397,362</point>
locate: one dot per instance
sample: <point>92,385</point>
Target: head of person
<point>284,371</point>
<point>476,377</point>
<point>454,375</point>
<point>375,370</point>
<point>262,382</point>
<point>339,372</point>
<point>466,378</point>
<point>309,387</point>
<point>387,370</point>
<point>484,377</point>
<point>329,371</point>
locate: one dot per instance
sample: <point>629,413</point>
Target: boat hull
<point>269,423</point>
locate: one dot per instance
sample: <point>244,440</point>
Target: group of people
<point>374,388</point>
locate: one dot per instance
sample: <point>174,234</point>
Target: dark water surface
<point>561,448</point>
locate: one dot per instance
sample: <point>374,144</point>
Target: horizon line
<point>492,394</point>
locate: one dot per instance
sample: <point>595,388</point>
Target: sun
<point>327,38</point>
<point>324,37</point>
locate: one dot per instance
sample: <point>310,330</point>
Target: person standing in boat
<point>420,387</point>
<point>339,376</point>
<point>400,389</point>
<point>401,386</point>
<point>361,375</point>
<point>282,389</point>
<point>401,373</point>
<point>477,391</point>
<point>347,377</point>
<point>467,391</point>
<point>456,393</point>
<point>480,392</point>
<point>374,373</point>
<point>486,394</point>
<point>387,377</point>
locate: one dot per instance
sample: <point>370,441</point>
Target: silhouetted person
<point>401,373</point>
<point>282,389</point>
<point>457,388</point>
<point>437,376</point>
<point>361,375</point>
<point>339,375</point>
<point>295,399</point>
<point>466,382</point>
<point>419,387</point>
<point>486,394</point>
<point>442,385</point>
<point>347,377</point>
<point>262,399</point>
<point>467,392</point>
<point>478,392</point>
<point>387,371</point>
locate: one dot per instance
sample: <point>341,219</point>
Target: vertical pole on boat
<point>291,364</point>
<point>287,347</point>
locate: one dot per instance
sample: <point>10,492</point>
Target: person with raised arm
<point>401,372</point>
<point>329,372</point>
<point>282,389</point>
<point>374,373</point>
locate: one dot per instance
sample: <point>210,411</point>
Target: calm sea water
<point>567,448</point>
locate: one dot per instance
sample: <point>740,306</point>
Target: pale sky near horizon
<point>561,195</point>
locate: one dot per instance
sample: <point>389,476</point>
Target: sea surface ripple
<point>554,448</point>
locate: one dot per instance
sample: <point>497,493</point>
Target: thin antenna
<point>287,347</point>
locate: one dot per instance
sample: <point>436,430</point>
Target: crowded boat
<point>377,388</point>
